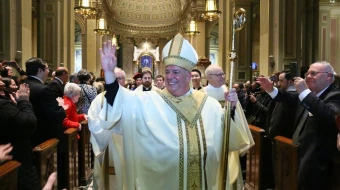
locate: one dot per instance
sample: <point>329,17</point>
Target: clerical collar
<point>37,78</point>
<point>198,88</point>
<point>146,89</point>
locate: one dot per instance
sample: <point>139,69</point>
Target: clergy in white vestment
<point>216,88</point>
<point>165,139</point>
<point>146,81</point>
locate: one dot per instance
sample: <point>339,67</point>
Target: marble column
<point>67,35</point>
<point>16,31</point>
<point>225,26</point>
<point>264,37</point>
<point>198,41</point>
<point>90,46</point>
<point>324,31</point>
<point>49,31</point>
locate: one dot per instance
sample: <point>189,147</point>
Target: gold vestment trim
<point>194,158</point>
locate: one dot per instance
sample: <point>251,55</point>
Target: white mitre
<point>179,52</point>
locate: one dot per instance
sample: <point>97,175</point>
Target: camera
<point>273,78</point>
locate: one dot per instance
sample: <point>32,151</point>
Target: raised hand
<point>231,96</point>
<point>23,93</point>
<point>300,84</point>
<point>108,58</point>
<point>61,103</point>
<point>4,152</point>
<point>265,83</point>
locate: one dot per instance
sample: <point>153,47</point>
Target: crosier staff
<point>239,18</point>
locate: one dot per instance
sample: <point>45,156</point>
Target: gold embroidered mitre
<point>179,52</point>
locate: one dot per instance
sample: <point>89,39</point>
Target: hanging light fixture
<point>211,13</point>
<point>115,41</point>
<point>101,26</point>
<point>192,28</point>
<point>85,8</point>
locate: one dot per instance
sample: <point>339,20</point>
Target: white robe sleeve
<point>100,121</point>
<point>240,136</point>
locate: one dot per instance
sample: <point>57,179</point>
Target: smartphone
<point>293,69</point>
<point>10,63</point>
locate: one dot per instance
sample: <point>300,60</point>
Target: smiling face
<point>177,80</point>
<point>216,77</point>
<point>320,80</point>
<point>12,87</point>
<point>196,79</point>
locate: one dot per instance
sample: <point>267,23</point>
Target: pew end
<point>45,159</point>
<point>286,164</point>
<point>254,171</point>
<point>85,155</point>
<point>9,175</point>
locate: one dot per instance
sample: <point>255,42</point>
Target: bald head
<point>62,73</point>
<point>120,74</point>
<point>215,76</point>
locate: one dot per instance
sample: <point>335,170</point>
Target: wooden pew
<point>45,159</point>
<point>286,164</point>
<point>71,158</point>
<point>254,160</point>
<point>84,155</point>
<point>9,175</point>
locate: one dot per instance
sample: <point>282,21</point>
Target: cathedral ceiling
<point>146,18</point>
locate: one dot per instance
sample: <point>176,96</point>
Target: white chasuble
<point>168,143</point>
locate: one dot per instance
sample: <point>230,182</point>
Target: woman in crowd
<point>18,122</point>
<point>10,85</point>
<point>87,93</point>
<point>196,79</point>
<point>71,97</point>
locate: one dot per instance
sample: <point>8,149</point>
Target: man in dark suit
<point>59,81</point>
<point>49,114</point>
<point>316,132</point>
<point>282,115</point>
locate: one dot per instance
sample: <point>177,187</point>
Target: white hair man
<point>216,89</point>
<point>177,144</point>
<point>216,83</point>
<point>317,101</point>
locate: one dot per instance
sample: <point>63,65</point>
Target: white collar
<point>59,80</point>
<point>319,94</point>
<point>37,78</point>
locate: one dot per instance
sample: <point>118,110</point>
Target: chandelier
<point>85,8</point>
<point>101,27</point>
<point>211,13</point>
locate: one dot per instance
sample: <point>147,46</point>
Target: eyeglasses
<point>120,78</point>
<point>219,75</point>
<point>314,73</point>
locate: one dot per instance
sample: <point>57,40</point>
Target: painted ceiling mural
<point>147,18</point>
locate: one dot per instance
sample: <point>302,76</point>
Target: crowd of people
<point>165,132</point>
